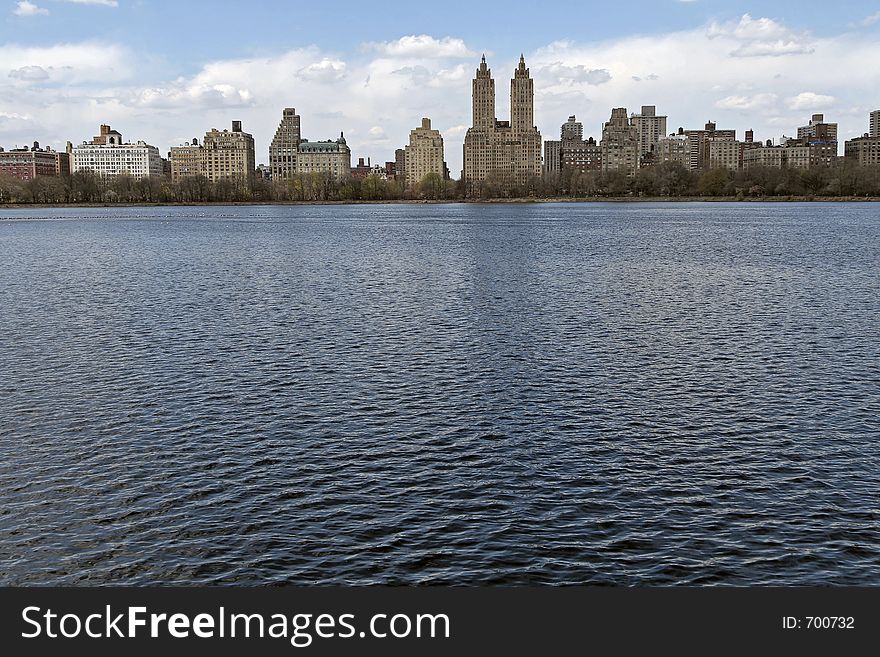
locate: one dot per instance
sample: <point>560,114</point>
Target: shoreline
<point>494,201</point>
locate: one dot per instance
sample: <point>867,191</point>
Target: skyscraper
<point>282,151</point>
<point>650,128</point>
<point>424,153</point>
<point>620,143</point>
<point>875,124</point>
<point>508,152</point>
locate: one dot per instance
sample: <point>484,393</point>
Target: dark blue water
<point>557,394</point>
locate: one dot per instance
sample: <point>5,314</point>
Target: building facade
<point>698,143</point>
<point>817,130</point>
<point>571,151</point>
<point>507,151</point>
<point>674,148</point>
<point>424,154</point>
<point>28,163</point>
<point>620,143</point>
<point>794,154</point>
<point>650,128</point>
<point>283,149</point>
<point>107,155</point>
<point>864,151</point>
<point>229,154</point>
<point>874,124</point>
<point>187,160</point>
<point>333,157</point>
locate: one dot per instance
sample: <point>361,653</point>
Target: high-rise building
<point>29,163</point>
<point>283,150</point>
<point>229,154</point>
<point>674,148</point>
<point>424,153</point>
<point>187,160</point>
<point>620,143</point>
<point>818,131</point>
<point>108,155</point>
<point>864,151</point>
<point>507,151</point>
<point>650,128</point>
<point>571,151</point>
<point>874,130</point>
<point>331,156</point>
<point>698,143</point>
<point>400,164</point>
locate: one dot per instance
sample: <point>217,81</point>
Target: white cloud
<point>867,21</point>
<point>30,73</point>
<point>25,8</point>
<point>422,45</point>
<point>757,101</point>
<point>326,70</point>
<point>561,73</point>
<point>761,37</point>
<point>810,101</point>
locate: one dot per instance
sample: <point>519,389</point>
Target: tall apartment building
<point>650,128</point>
<point>108,155</point>
<point>29,163</point>
<point>571,151</point>
<point>698,143</point>
<point>818,131</point>
<point>283,149</point>
<point>400,164</point>
<point>507,150</point>
<point>794,154</point>
<point>864,151</point>
<point>620,143</point>
<point>187,160</point>
<point>333,157</point>
<point>726,154</point>
<point>424,153</point>
<point>229,154</point>
<point>874,129</point>
<point>674,148</point>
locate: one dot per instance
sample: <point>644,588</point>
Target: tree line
<point>668,180</point>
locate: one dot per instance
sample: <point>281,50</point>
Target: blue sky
<point>167,71</point>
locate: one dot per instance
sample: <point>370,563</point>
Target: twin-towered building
<point>504,152</point>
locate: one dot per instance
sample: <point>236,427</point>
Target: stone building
<point>874,127</point>
<point>571,151</point>
<point>650,128</point>
<point>620,143</point>
<point>864,151</point>
<point>817,130</point>
<point>283,150</point>
<point>674,148</point>
<point>187,160</point>
<point>793,154</point>
<point>229,154</point>
<point>506,151</point>
<point>424,154</point>
<point>333,157</point>
<point>698,143</point>
<point>107,155</point>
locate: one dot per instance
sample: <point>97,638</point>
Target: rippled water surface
<point>469,394</point>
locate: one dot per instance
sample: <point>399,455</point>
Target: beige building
<point>508,151</point>
<point>874,130</point>
<point>650,128</point>
<point>620,143</point>
<point>766,156</point>
<point>424,154</point>
<point>725,154</point>
<point>187,160</point>
<point>571,152</point>
<point>283,150</point>
<point>229,155</point>
<point>674,148</point>
<point>818,131</point>
<point>333,157</point>
<point>864,151</point>
<point>223,155</point>
<point>794,154</point>
<point>698,143</point>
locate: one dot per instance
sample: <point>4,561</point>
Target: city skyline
<point>65,71</point>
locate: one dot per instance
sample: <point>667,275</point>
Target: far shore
<point>528,200</point>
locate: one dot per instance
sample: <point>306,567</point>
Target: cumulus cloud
<point>326,70</point>
<point>809,100</point>
<point>422,45</point>
<point>25,8</point>
<point>578,73</point>
<point>29,73</point>
<point>761,37</point>
<point>756,101</point>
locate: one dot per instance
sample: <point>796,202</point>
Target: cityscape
<point>502,158</point>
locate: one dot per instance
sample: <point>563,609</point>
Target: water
<point>553,394</point>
